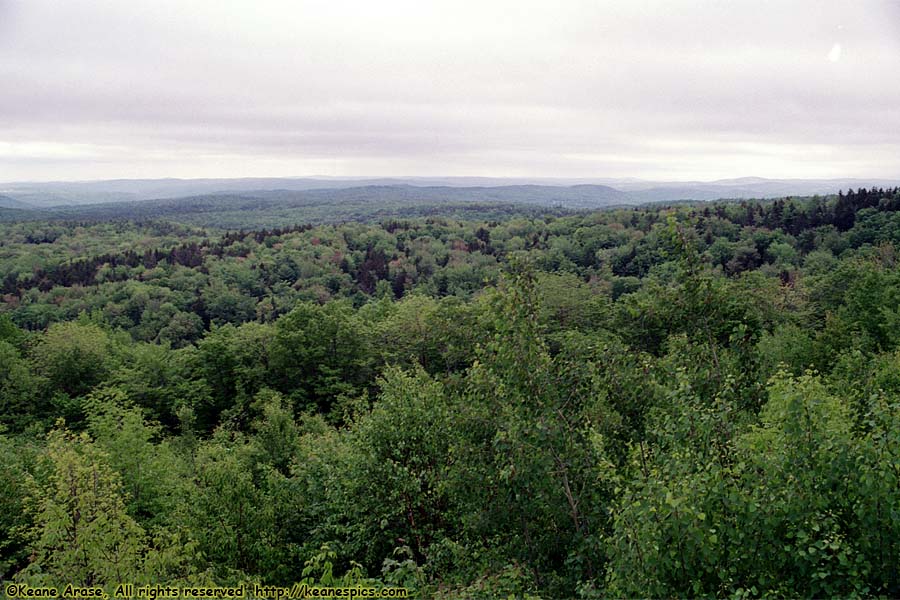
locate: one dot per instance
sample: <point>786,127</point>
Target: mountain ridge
<point>42,195</point>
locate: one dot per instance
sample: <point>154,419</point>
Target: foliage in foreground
<point>701,428</point>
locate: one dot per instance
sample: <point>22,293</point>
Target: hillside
<point>686,400</point>
<point>590,193</point>
<point>273,208</point>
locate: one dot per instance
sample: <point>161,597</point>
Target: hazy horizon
<point>599,180</point>
<point>662,91</point>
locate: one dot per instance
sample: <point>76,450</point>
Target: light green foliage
<point>227,305</point>
<point>440,335</point>
<point>9,333</point>
<point>227,511</point>
<point>567,303</point>
<point>789,507</point>
<point>800,473</point>
<point>83,534</point>
<point>532,447</point>
<point>783,254</point>
<point>233,362</point>
<point>664,538</point>
<point>73,357</point>
<point>402,452</point>
<point>408,332</point>
<point>275,432</point>
<point>153,477</point>
<point>153,377</point>
<point>510,581</point>
<point>13,491</point>
<point>18,387</point>
<point>788,346</point>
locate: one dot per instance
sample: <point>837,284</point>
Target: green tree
<point>83,534</point>
<point>19,404</point>
<point>319,353</point>
<point>74,357</point>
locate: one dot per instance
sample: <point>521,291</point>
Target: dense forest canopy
<point>675,400</point>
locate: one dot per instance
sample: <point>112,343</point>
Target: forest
<point>668,400</point>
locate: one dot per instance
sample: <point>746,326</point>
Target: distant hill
<point>366,200</point>
<point>589,192</point>
<point>7,202</point>
<point>265,208</point>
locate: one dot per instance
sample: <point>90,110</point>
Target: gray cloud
<point>703,89</point>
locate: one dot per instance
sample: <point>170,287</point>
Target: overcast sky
<point>556,88</point>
